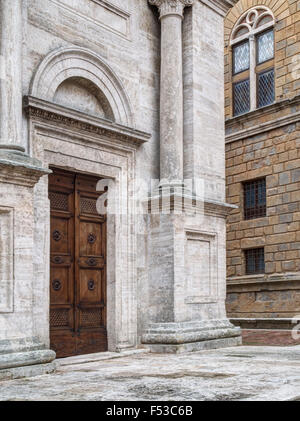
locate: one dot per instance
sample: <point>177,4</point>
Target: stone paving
<point>242,373</point>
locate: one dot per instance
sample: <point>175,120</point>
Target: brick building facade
<point>262,107</point>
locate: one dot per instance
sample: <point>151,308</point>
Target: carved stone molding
<point>220,6</point>
<point>40,110</point>
<point>250,124</point>
<point>65,63</point>
<point>171,7</point>
<point>20,170</point>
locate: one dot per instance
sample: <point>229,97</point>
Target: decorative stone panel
<point>201,267</point>
<point>6,260</point>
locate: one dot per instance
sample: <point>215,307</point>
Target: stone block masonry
<point>265,143</point>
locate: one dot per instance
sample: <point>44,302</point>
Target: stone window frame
<point>255,250</point>
<point>256,211</point>
<point>249,21</point>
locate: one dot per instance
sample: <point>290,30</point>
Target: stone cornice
<point>220,6</point>
<point>264,323</point>
<point>188,204</point>
<point>264,127</point>
<point>39,109</point>
<point>171,7</point>
<point>263,279</point>
<point>235,126</point>
<point>20,170</point>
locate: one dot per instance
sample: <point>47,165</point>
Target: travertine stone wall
<point>203,126</point>
<point>83,60</point>
<point>126,35</point>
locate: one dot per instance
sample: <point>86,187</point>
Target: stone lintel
<point>39,109</point>
<point>171,7</point>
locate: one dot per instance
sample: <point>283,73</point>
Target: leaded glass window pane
<point>266,88</point>
<point>241,57</point>
<point>265,46</point>
<point>241,95</point>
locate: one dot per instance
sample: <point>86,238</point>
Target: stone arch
<point>279,10</point>
<point>256,19</point>
<point>86,68</point>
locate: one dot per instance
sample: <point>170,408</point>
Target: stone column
<point>11,76</point>
<point>186,242</point>
<point>22,353</point>
<point>171,89</point>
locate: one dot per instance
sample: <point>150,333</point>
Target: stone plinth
<point>187,277</point>
<point>191,336</point>
<point>21,352</point>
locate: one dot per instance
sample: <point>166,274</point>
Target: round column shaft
<point>171,89</point>
<point>11,75</point>
<point>171,99</point>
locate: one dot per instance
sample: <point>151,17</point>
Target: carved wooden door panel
<point>78,266</point>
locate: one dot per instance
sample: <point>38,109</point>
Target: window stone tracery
<point>252,43</point>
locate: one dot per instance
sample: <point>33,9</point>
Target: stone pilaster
<point>11,75</point>
<point>21,352</point>
<point>187,240</point>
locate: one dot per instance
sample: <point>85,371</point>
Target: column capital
<point>171,7</point>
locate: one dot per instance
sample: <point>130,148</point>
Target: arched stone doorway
<point>80,121</point>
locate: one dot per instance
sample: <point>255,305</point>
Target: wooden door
<point>77,266</point>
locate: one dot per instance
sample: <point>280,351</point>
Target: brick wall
<point>287,46</point>
<point>266,143</point>
<point>274,154</point>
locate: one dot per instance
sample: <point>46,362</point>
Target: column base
<point>27,371</point>
<point>25,357</point>
<point>191,336</point>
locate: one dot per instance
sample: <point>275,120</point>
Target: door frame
<point>69,336</point>
<point>108,158</point>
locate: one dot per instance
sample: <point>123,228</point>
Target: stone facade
<point>90,76</point>
<point>265,143</point>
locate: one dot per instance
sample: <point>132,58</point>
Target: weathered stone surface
<point>26,358</point>
<point>91,79</point>
<point>25,371</point>
<point>264,143</point>
<point>231,374</point>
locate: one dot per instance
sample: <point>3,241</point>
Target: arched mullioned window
<point>252,42</point>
